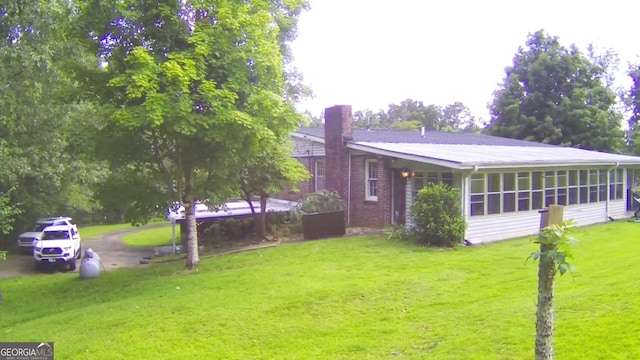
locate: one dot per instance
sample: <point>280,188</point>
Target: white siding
<point>618,209</point>
<point>306,148</point>
<point>409,201</point>
<point>483,229</point>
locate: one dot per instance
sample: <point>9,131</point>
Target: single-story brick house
<point>503,182</point>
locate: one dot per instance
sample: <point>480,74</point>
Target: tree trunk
<point>191,228</point>
<point>247,198</point>
<point>262,217</point>
<point>544,313</point>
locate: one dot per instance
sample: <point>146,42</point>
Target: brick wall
<point>376,214</point>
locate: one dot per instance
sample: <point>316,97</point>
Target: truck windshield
<point>40,227</point>
<point>55,235</point>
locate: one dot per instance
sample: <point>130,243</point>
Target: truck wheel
<point>72,264</point>
<point>79,253</point>
<point>38,266</point>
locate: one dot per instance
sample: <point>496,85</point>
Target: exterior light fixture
<point>406,173</point>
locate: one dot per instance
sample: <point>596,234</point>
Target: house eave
<point>410,157</point>
<point>308,137</point>
<point>546,164</point>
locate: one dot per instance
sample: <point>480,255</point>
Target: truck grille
<point>26,241</point>
<point>51,251</point>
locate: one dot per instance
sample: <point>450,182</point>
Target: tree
<point>556,95</point>
<point>554,255</point>
<point>413,110</point>
<point>311,120</point>
<point>457,117</point>
<point>632,101</point>
<point>42,157</point>
<point>189,87</point>
<point>265,174</point>
<point>8,213</point>
<point>406,125</point>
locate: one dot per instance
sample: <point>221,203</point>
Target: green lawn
<point>351,298</point>
<point>93,230</point>
<point>152,237</point>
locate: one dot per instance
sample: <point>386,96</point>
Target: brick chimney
<point>338,129</point>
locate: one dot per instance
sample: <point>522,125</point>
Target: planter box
<point>323,225</point>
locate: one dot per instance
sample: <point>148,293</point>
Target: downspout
<point>349,192</point>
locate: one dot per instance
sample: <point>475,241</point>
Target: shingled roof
<point>430,137</point>
<point>469,150</point>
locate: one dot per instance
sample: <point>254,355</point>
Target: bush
<point>437,217</point>
<point>398,233</point>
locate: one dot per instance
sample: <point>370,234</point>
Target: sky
<point>372,53</point>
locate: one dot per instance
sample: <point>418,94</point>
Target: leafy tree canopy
<point>556,95</point>
<point>190,87</point>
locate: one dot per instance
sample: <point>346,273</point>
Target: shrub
<point>398,233</point>
<point>437,216</point>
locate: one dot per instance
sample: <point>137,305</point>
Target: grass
<point>152,237</point>
<point>350,298</point>
<point>94,230</point>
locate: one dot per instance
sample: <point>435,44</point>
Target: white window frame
<point>318,175</point>
<point>368,196</point>
<point>554,183</point>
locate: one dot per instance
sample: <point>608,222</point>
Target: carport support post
<point>173,236</point>
<point>546,273</point>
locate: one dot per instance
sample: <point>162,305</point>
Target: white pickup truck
<point>59,245</point>
<point>26,239</point>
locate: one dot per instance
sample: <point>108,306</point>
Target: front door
<point>399,196</point>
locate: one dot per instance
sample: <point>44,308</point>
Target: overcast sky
<point>371,53</point>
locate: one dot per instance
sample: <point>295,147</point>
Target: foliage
<point>554,94</point>
<point>407,125</point>
<point>437,217</point>
<point>398,233</point>
<point>317,202</point>
<point>633,97</point>
<point>190,89</point>
<point>412,114</point>
<point>43,155</point>
<point>8,212</point>
<point>557,238</point>
<point>314,292</point>
<point>266,173</point>
<point>632,102</point>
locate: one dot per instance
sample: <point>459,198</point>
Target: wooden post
<point>555,215</point>
<point>546,273</point>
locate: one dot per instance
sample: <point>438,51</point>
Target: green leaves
<point>194,89</point>
<point>556,95</point>
<point>436,214</point>
<point>557,246</point>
